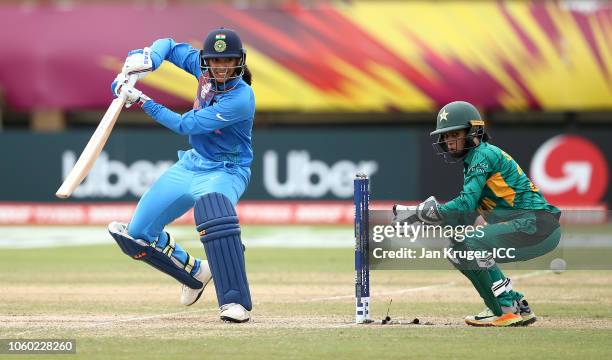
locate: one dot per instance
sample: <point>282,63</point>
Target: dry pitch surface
<point>303,308</point>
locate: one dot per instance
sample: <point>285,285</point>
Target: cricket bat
<point>94,147</point>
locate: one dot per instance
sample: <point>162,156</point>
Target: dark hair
<point>485,137</point>
<point>247,76</point>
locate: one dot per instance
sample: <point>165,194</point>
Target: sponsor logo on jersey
<point>205,90</point>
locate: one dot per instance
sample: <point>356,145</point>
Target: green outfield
<point>117,308</point>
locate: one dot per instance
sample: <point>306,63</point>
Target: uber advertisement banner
<point>314,164</point>
<point>34,165</point>
<point>322,163</point>
<point>309,164</point>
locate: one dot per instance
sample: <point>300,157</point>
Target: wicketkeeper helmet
<point>458,115</point>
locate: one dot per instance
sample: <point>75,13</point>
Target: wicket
<point>362,236</point>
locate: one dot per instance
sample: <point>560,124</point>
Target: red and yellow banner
<point>367,56</point>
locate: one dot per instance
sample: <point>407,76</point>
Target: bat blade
<point>92,149</point>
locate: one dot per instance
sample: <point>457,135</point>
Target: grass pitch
<point>117,308</point>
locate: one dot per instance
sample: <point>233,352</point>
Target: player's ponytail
<point>247,76</point>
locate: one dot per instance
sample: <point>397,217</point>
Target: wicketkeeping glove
<point>404,214</point>
<point>428,212</point>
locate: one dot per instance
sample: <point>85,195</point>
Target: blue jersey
<point>219,126</point>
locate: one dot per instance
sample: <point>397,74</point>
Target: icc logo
<point>570,170</point>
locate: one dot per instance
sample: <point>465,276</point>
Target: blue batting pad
<point>161,260</point>
<point>219,231</point>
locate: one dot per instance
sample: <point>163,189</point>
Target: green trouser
<point>531,235</point>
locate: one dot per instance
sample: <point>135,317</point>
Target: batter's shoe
<point>235,313</point>
<point>510,317</point>
<point>188,295</point>
<point>529,317</point>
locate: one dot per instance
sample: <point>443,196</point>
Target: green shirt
<point>495,186</point>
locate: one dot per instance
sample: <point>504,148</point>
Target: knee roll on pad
<point>217,224</point>
<point>161,259</point>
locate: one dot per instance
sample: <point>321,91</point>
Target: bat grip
<point>131,81</point>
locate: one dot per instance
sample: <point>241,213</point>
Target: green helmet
<point>458,115</point>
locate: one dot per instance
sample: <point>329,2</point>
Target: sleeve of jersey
<point>229,110</point>
<point>473,184</point>
<point>180,54</point>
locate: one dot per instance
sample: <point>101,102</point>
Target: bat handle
<point>131,81</point>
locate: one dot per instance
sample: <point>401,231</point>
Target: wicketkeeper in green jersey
<point>517,216</point>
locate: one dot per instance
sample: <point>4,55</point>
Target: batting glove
<point>118,83</point>
<point>138,63</point>
<point>133,95</point>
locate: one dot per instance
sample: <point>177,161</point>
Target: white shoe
<point>235,313</point>
<point>188,295</point>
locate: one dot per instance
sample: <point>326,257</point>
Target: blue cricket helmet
<point>223,43</point>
